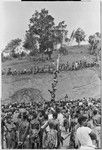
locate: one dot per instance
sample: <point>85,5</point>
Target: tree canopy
<point>11,46</point>
<point>42,30</point>
<point>95,43</point>
<point>79,35</point>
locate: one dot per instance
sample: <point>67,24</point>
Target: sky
<point>15,17</point>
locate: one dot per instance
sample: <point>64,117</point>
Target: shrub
<point>63,51</point>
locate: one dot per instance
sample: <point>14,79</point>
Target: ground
<point>76,84</point>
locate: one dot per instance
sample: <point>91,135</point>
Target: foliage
<point>15,55</point>
<point>12,45</point>
<point>63,50</point>
<point>79,35</point>
<point>98,34</point>
<point>40,27</point>
<point>42,31</point>
<point>33,52</point>
<point>22,54</point>
<point>30,42</point>
<point>95,43</point>
<point>67,39</point>
<point>60,31</point>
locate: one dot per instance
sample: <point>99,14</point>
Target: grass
<point>77,84</point>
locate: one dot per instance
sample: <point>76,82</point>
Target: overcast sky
<point>15,17</point>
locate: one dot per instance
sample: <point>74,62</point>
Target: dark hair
<point>25,116</point>
<point>42,112</point>
<point>19,116</point>
<point>51,125</point>
<point>46,117</point>
<point>82,119</point>
<point>55,115</point>
<point>58,110</point>
<point>34,115</point>
<point>95,112</point>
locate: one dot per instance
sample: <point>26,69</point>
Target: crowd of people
<point>40,125</point>
<point>49,68</point>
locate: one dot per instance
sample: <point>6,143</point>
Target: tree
<point>95,43</point>
<point>30,43</point>
<point>59,32</point>
<point>79,35</point>
<point>12,45</point>
<point>49,49</point>
<point>42,25</point>
<point>92,42</point>
<point>98,34</point>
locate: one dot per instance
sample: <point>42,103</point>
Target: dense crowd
<point>37,125</point>
<point>77,65</point>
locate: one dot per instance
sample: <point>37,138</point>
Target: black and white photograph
<point>50,75</point>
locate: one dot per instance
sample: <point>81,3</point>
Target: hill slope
<point>77,84</point>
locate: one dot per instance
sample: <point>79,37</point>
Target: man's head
<point>24,115</point>
<point>82,120</point>
<point>94,112</point>
<point>55,115</point>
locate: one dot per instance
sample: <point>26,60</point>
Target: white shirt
<point>50,116</point>
<point>60,118</point>
<point>82,135</point>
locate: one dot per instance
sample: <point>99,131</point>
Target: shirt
<point>60,118</point>
<point>83,136</point>
<point>50,116</point>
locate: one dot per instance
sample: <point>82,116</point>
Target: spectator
<point>85,135</point>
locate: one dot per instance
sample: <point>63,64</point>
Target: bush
<point>22,54</point>
<point>63,51</point>
<point>32,53</point>
<point>14,55</point>
<point>3,59</point>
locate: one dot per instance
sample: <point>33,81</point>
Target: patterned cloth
<point>51,139</point>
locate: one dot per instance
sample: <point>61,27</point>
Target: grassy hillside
<point>77,84</point>
<point>75,53</point>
